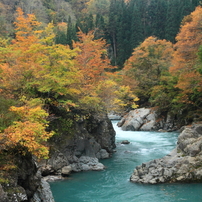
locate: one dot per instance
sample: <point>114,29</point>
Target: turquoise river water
<point>113,185</point>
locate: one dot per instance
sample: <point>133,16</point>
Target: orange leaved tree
<point>185,61</point>
<point>92,62</point>
<point>98,87</point>
<point>33,66</point>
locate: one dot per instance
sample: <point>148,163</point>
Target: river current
<point>113,185</point>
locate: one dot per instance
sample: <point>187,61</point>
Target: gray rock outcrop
<point>145,119</point>
<point>183,164</point>
<point>43,193</point>
<point>3,194</point>
<point>85,163</point>
<point>94,139</point>
<point>66,170</point>
<point>25,183</point>
<point>91,139</point>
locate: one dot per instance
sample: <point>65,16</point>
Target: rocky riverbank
<point>24,183</point>
<point>93,138</point>
<point>183,164</point>
<point>146,119</point>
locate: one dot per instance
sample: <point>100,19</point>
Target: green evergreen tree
<point>90,22</point>
<point>136,36</point>
<point>123,34</point>
<point>172,20</point>
<point>100,27</point>
<point>157,17</point>
<point>187,7</point>
<point>61,37</point>
<point>71,33</point>
<point>86,23</point>
<point>112,29</point>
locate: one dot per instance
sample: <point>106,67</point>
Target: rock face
<point>145,119</point>
<point>93,139</point>
<point>183,164</point>
<point>3,195</point>
<point>25,183</point>
<point>43,193</point>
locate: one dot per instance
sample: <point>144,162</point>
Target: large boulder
<point>139,119</point>
<point>183,164</point>
<point>85,163</point>
<point>146,119</point>
<point>66,170</point>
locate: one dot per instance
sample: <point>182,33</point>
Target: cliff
<point>183,164</point>
<point>93,138</point>
<point>24,183</point>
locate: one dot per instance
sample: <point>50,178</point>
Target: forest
<point>61,60</point>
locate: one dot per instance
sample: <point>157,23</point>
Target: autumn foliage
<point>32,65</point>
<point>143,70</point>
<point>185,58</point>
<point>169,75</point>
<point>29,131</point>
<point>36,74</point>
<point>92,61</point>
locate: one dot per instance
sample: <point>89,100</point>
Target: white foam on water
<point>145,141</point>
<point>137,136</point>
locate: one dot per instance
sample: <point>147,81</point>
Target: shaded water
<point>113,185</point>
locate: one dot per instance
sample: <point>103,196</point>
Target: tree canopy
<point>37,74</point>
<point>169,75</point>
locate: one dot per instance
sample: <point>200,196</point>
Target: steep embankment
<point>24,182</point>
<point>183,164</point>
<point>93,138</point>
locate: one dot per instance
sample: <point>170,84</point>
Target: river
<point>113,185</point>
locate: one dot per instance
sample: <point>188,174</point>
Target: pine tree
<point>172,20</point>
<point>71,33</point>
<point>186,8</point>
<point>100,27</point>
<point>90,23</point>
<point>112,29</point>
<point>61,37</point>
<point>123,34</point>
<point>156,12</point>
<point>136,36</point>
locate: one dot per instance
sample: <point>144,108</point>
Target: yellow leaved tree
<point>29,132</point>
<point>32,65</point>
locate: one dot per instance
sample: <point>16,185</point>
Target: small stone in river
<point>125,142</point>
